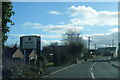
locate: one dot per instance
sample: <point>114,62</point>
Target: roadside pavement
<point>115,63</point>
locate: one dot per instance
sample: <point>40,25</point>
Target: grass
<point>98,56</point>
<point>49,64</point>
<point>118,61</point>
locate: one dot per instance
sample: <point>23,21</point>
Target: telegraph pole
<point>89,46</point>
<point>89,43</point>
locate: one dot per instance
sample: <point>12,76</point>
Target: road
<point>99,68</point>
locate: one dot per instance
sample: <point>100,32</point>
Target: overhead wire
<point>65,15</point>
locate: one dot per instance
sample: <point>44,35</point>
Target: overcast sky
<point>48,19</point>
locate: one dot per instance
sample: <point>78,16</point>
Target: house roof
<point>113,48</point>
<point>17,53</point>
<point>32,54</point>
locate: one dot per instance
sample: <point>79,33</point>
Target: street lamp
<point>51,54</point>
<point>91,52</point>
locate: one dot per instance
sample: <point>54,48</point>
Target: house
<point>8,52</point>
<point>18,55</point>
<point>101,51</point>
<point>110,51</point>
<point>93,51</point>
<point>32,55</point>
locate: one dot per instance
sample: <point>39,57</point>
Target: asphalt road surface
<point>99,68</point>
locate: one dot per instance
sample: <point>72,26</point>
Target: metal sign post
<point>35,56</point>
<point>25,56</point>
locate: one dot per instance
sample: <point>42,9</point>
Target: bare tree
<point>74,42</point>
<point>71,37</point>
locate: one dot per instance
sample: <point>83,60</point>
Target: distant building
<point>110,51</point>
<point>101,51</point>
<point>93,51</point>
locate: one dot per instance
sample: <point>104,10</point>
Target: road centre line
<point>92,71</point>
<point>92,75</point>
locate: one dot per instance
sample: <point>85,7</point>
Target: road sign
<point>29,42</point>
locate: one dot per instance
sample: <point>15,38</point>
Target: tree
<point>71,37</point>
<point>74,42</point>
<point>6,18</point>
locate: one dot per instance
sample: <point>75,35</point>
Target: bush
<point>6,73</point>
<point>31,72</point>
<point>20,70</point>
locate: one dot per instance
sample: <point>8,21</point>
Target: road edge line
<point>60,70</point>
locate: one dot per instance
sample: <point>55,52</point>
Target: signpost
<point>30,42</point>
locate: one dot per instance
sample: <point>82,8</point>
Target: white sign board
<point>29,42</point>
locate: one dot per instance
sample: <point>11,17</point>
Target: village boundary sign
<point>30,42</point>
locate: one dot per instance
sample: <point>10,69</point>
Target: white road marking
<point>92,75</point>
<point>59,70</point>
<point>45,76</point>
<point>92,71</point>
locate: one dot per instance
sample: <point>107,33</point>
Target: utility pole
<point>89,43</point>
<point>112,42</point>
<point>118,51</point>
<point>89,46</point>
